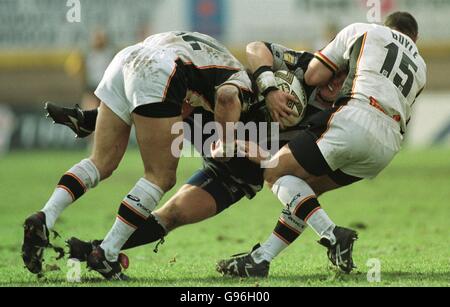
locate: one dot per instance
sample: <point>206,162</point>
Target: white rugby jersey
<point>196,48</point>
<point>383,63</point>
<point>206,64</point>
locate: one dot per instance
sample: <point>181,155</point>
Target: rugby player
<point>355,139</point>
<point>219,184</point>
<point>145,86</point>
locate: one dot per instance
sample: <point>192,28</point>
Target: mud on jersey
<point>202,64</point>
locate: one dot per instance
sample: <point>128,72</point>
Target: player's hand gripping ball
<point>287,82</point>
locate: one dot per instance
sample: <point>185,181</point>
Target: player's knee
<point>165,181</point>
<point>253,47</point>
<point>172,215</point>
<point>322,184</point>
<point>106,166</point>
<point>170,182</point>
<point>226,95</point>
<point>271,176</point>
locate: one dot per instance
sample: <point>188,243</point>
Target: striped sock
<point>72,185</point>
<point>302,209</point>
<point>134,210</point>
<point>287,230</point>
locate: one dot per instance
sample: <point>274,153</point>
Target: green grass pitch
<point>402,217</point>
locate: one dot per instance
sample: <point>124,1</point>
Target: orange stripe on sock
<point>288,226</point>
<point>126,222</point>
<point>134,210</point>
<point>67,190</point>
<point>311,213</point>
<point>77,179</point>
<point>281,238</point>
<point>302,202</point>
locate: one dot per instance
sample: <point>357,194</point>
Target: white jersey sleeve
<point>336,54</point>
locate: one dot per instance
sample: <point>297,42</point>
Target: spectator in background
<point>97,59</point>
<point>7,125</point>
<point>143,31</point>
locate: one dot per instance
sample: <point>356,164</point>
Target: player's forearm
<point>260,62</point>
<point>258,55</point>
<point>317,74</point>
<point>227,109</point>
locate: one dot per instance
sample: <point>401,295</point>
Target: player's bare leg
<point>111,141</point>
<point>155,139</point>
<point>296,188</point>
<point>189,205</point>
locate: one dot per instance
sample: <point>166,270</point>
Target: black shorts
<point>224,192</point>
<point>307,152</point>
<point>159,110</point>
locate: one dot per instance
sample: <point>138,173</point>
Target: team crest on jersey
<point>289,58</point>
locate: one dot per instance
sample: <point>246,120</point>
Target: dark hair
<point>403,22</point>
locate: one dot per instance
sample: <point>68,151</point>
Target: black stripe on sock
<point>306,208</point>
<point>130,216</point>
<point>285,232</point>
<point>150,231</point>
<point>72,185</point>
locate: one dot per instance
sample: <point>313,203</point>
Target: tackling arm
<point>261,64</point>
<point>258,55</point>
<point>227,108</point>
<point>317,74</point>
<point>333,57</point>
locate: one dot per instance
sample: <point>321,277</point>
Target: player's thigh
<point>301,157</point>
<point>191,204</point>
<point>155,139</point>
<point>285,164</point>
<point>90,101</point>
<point>288,162</point>
<point>110,141</point>
<point>289,165</point>
<point>322,184</point>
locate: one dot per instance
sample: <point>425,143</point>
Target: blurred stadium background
<point>48,52</point>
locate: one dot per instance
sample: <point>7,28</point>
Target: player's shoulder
<point>359,27</point>
<point>352,31</point>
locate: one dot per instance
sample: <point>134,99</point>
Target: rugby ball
<point>288,82</point>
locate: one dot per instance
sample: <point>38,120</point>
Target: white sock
<point>269,249</point>
<point>292,192</point>
<point>322,225</point>
<point>86,174</point>
<point>295,193</point>
<point>59,201</point>
<point>288,229</point>
<point>141,201</point>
